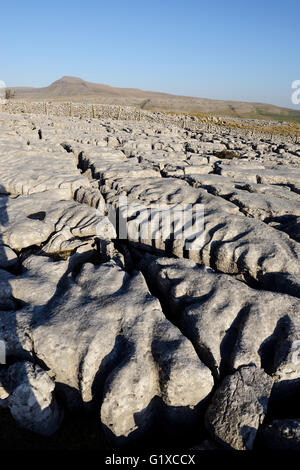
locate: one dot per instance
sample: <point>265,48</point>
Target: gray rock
<point>264,207</point>
<point>39,279</point>
<point>264,176</point>
<point>282,434</point>
<point>238,408</point>
<point>106,332</point>
<point>49,217</point>
<point>25,172</point>
<point>103,337</point>
<point>31,401</point>
<point>6,300</point>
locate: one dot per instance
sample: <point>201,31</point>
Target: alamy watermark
<point>296,94</point>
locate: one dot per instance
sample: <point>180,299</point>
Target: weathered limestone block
<point>282,176</point>
<point>264,206</point>
<point>165,191</point>
<point>39,279</point>
<point>282,434</point>
<point>288,224</point>
<point>204,147</point>
<point>240,245</point>
<point>6,299</point>
<point>35,218</point>
<point>22,295</point>
<point>8,258</point>
<point>231,243</point>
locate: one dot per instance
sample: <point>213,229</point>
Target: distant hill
<point>75,89</point>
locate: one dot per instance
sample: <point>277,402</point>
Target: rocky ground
<point>157,342</point>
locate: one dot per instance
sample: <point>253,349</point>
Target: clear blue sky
<point>241,50</point>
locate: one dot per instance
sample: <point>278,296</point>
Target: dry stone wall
<point>150,337</point>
